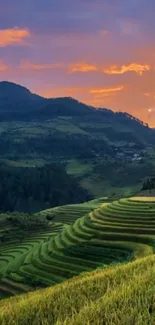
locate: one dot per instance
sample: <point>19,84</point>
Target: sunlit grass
<point>143,198</point>
<point>121,295</point>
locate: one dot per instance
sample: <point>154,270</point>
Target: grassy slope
<point>70,213</point>
<point>113,233</point>
<point>120,296</point>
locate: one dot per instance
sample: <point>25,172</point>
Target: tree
<point>149,184</point>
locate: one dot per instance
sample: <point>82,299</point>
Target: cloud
<point>134,67</point>
<point>14,36</point>
<point>105,91</point>
<point>69,67</point>
<point>82,67</point>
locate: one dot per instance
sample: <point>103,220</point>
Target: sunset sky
<point>101,52</point>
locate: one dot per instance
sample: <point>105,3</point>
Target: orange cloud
<point>84,94</point>
<point>130,97</point>
<point>13,36</point>
<point>27,65</point>
<point>105,91</point>
<point>135,67</point>
<point>3,67</point>
<point>82,67</point>
<point>71,68</point>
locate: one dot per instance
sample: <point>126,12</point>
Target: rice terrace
<point>105,252</point>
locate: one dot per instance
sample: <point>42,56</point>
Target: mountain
<point>87,141</point>
<point>17,99</point>
<point>14,97</point>
<point>66,106</point>
<point>18,103</point>
<point>10,91</point>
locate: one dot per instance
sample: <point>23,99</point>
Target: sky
<point>101,52</point>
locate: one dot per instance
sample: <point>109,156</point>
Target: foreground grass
<point>123,295</point>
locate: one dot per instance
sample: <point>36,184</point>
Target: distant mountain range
<point>18,99</point>
<point>17,103</point>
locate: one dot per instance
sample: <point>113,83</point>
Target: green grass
<point>99,187</point>
<point>67,127</point>
<point>120,295</point>
<point>77,168</point>
<point>67,214</point>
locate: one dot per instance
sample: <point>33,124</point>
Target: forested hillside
<point>33,189</point>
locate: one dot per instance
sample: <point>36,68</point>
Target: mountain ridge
<point>12,91</point>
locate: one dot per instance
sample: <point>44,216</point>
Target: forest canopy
<point>31,189</point>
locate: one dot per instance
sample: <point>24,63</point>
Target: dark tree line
<point>34,189</point>
<point>149,184</point>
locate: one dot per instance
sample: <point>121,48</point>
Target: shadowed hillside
<point>33,189</point>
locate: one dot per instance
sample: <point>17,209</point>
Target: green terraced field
<point>69,213</point>
<point>20,254</point>
<point>82,237</point>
